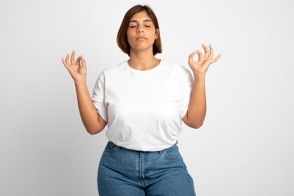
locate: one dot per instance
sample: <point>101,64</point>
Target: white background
<point>245,146</point>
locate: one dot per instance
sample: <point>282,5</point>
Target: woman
<point>144,101</point>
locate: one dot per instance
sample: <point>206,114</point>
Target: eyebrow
<point>146,20</point>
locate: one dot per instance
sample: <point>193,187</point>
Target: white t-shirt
<point>143,109</point>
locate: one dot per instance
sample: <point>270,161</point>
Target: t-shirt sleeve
<point>98,97</point>
<point>186,94</point>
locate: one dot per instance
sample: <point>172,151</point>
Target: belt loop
<point>116,145</point>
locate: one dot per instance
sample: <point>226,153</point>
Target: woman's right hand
<point>77,72</point>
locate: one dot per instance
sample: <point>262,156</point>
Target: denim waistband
<point>111,143</point>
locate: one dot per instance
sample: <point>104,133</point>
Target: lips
<point>141,38</point>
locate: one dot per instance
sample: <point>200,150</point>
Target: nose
<point>140,28</point>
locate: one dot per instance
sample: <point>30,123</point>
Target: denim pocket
<point>110,147</point>
<point>172,153</point>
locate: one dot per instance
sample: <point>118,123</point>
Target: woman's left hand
<point>201,66</point>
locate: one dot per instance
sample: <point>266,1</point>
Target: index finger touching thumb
<point>83,60</point>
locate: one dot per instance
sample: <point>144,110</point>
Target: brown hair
<point>122,32</point>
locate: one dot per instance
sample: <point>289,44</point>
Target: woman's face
<point>141,25</point>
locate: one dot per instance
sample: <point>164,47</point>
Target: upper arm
<point>186,121</point>
<point>185,97</point>
<point>102,123</point>
<point>98,99</point>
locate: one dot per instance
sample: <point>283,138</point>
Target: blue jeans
<point>125,172</point>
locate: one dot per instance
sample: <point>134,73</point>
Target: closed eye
<point>135,26</point>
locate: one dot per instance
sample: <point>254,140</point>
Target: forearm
<point>197,105</point>
<point>87,109</point>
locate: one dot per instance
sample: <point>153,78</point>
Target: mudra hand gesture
<point>77,72</point>
<point>200,67</point>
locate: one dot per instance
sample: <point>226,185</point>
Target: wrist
<point>199,76</point>
<point>80,83</point>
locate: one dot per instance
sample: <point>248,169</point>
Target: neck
<point>142,60</point>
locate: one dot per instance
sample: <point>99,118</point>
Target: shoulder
<point>114,68</point>
<point>109,71</point>
<point>178,68</point>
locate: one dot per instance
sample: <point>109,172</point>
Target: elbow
<point>93,132</point>
<point>197,126</point>
<point>90,132</point>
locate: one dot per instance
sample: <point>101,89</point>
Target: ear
<point>156,33</point>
